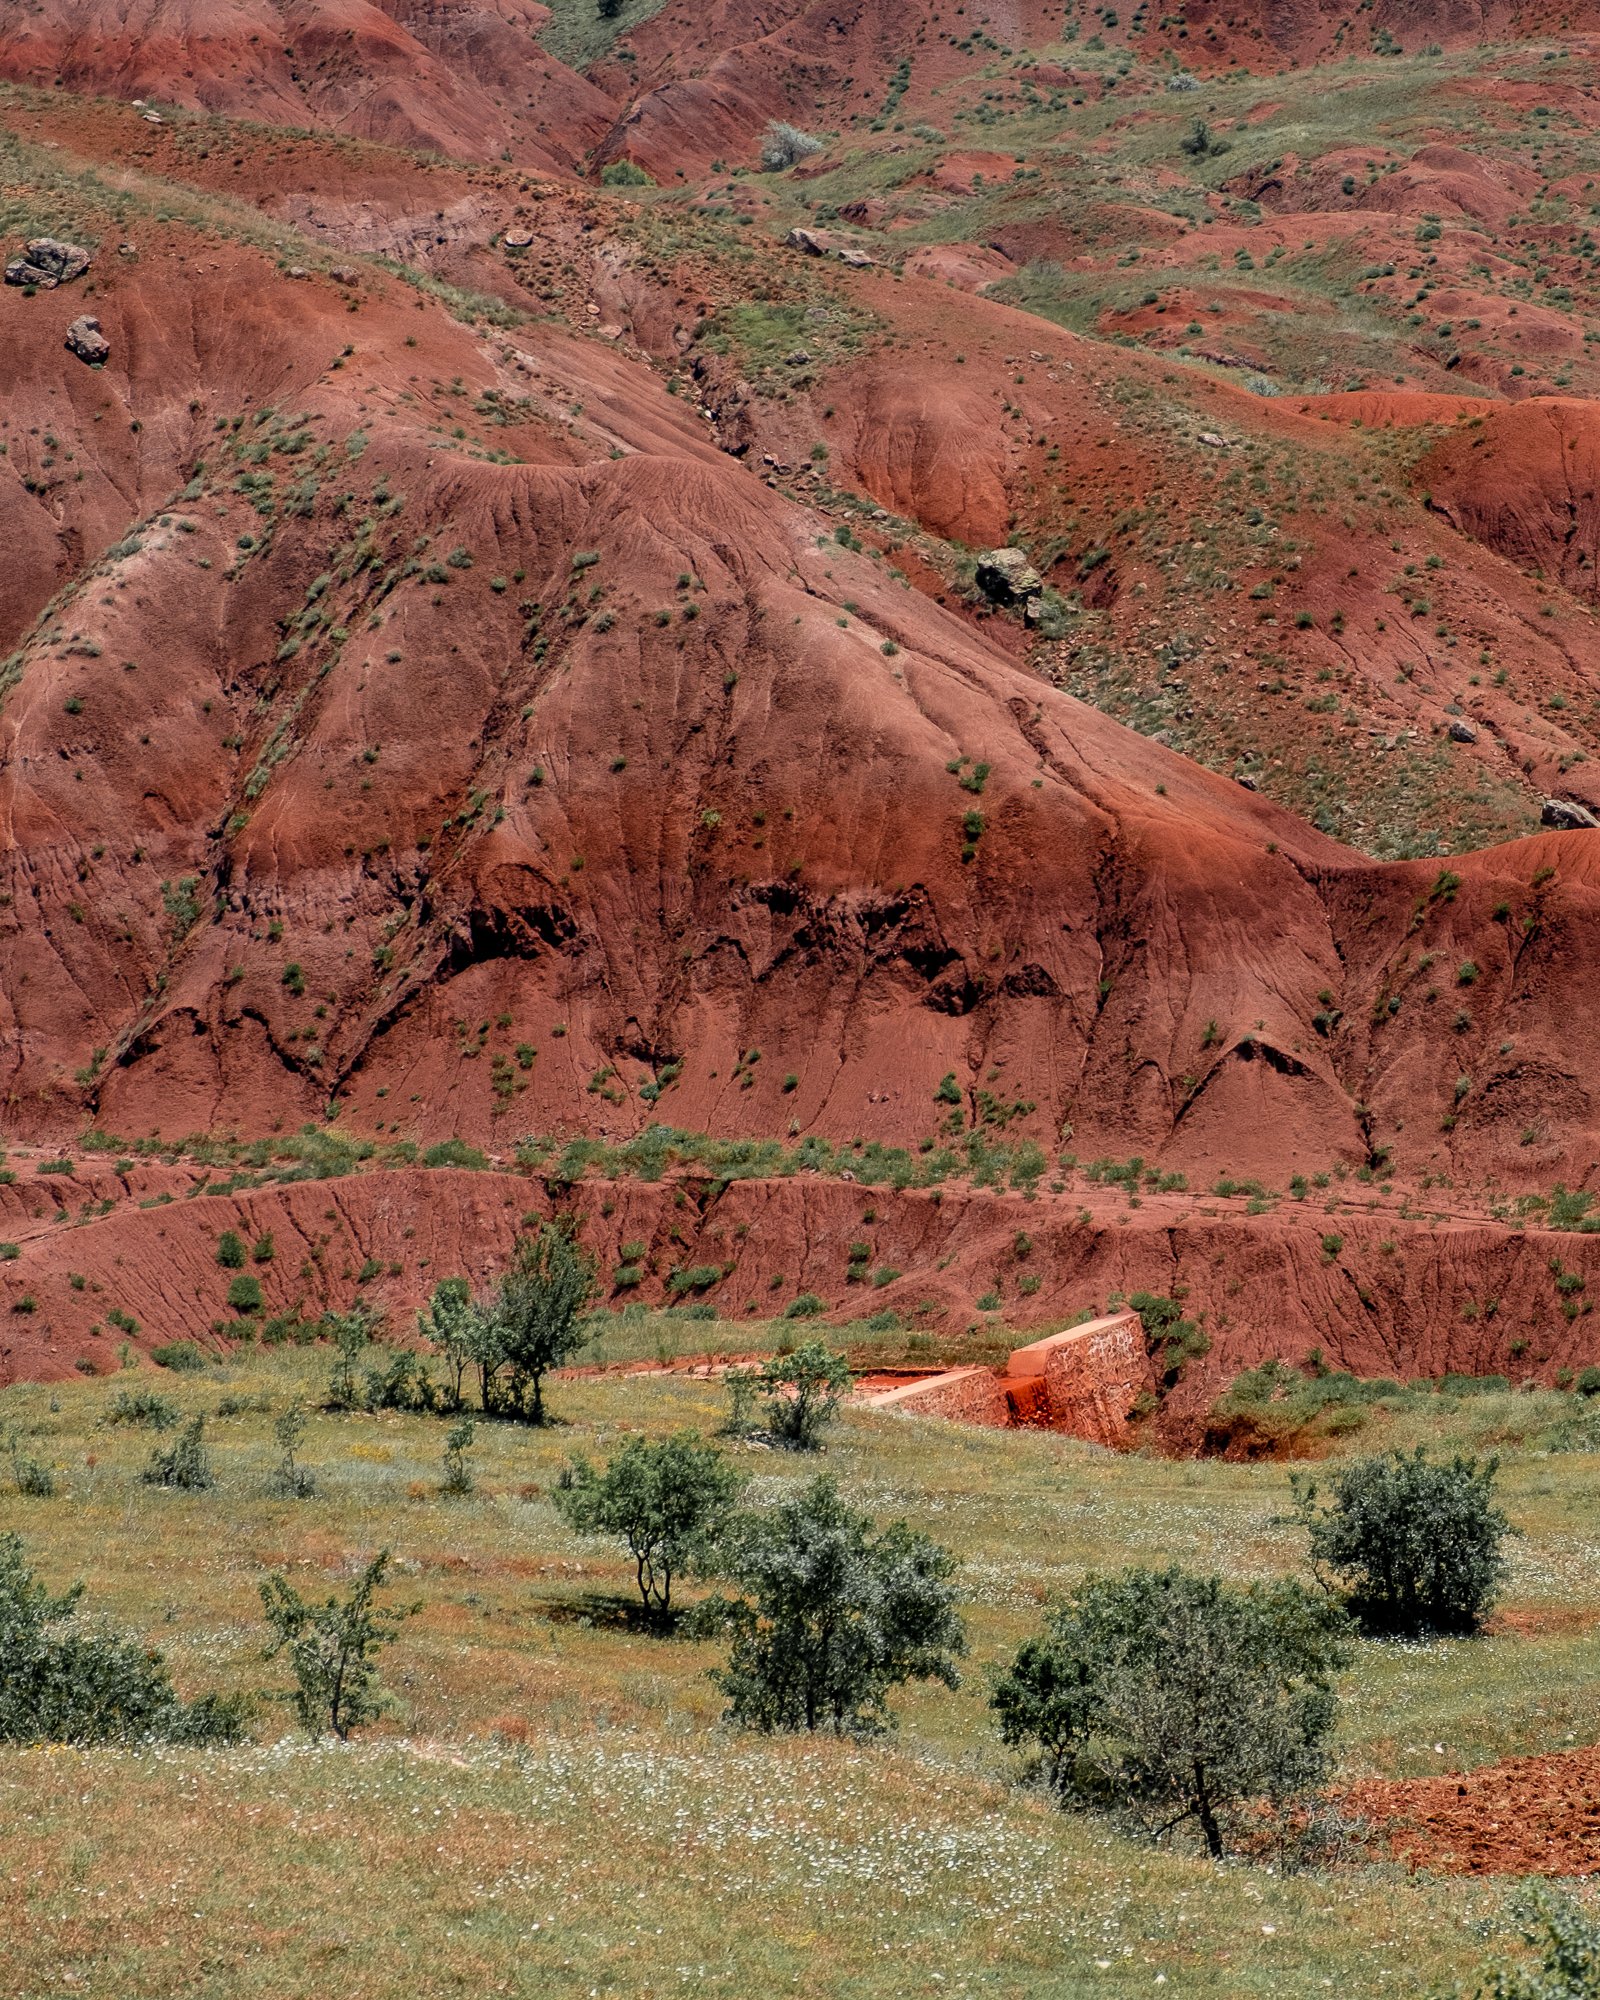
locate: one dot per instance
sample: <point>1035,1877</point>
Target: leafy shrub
<point>331,1648</point>
<point>244,1292</point>
<point>806,1306</point>
<point>185,1464</point>
<point>1172,1339</point>
<point>144,1407</point>
<point>181,1356</point>
<point>400,1383</point>
<point>34,1479</point>
<point>1567,1941</point>
<point>666,1500</point>
<point>802,1391</point>
<point>59,1685</point>
<point>1170,1698</point>
<point>230,1251</point>
<point>454,1153</point>
<point>1415,1545</point>
<point>695,1278</point>
<point>834,1618</point>
<point>625,173</point>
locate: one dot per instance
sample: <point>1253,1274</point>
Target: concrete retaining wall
<point>1085,1382</point>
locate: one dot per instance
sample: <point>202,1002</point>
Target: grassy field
<point>554,1807</point>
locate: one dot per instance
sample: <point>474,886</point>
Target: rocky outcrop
<point>85,339</point>
<point>48,262</point>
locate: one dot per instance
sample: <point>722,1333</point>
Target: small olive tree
<point>1173,1699</point>
<point>666,1500</point>
<point>457,1443</point>
<point>1413,1545</point>
<point>291,1478</point>
<point>834,1616</point>
<point>331,1648</point>
<point>802,1393</point>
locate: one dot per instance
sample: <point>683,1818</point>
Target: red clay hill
<point>487,654</point>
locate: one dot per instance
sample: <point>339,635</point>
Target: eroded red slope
<point>466,79</point>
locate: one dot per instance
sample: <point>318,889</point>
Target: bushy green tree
<point>461,1328</point>
<point>331,1648</point>
<point>537,1319</point>
<point>835,1616</point>
<point>802,1393</point>
<point>1414,1545</point>
<point>666,1500</point>
<point>60,1683</point>
<point>1173,1698</point>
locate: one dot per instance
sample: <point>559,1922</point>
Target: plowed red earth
<point>1528,1816</point>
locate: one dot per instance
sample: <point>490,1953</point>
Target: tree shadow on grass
<point>605,1611</point>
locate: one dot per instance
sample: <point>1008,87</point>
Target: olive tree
<point>834,1615</point>
<point>666,1500</point>
<point>1413,1545</point>
<point>1171,1698</point>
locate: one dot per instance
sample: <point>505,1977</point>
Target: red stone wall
<point>1085,1381</point>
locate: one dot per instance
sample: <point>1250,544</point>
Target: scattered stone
<point>518,239</point>
<point>815,244</point>
<point>1213,438</point>
<point>1566,815</point>
<point>297,271</point>
<point>1007,576</point>
<point>344,274</point>
<point>1244,778</point>
<point>1462,732</point>
<point>154,118</point>
<point>48,262</point>
<point>85,340</point>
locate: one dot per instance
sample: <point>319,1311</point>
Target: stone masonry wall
<point>968,1395</point>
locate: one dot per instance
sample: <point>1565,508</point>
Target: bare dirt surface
<point>1528,1816</point>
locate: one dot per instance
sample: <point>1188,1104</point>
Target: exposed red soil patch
<point>1528,1816</point>
<point>413,74</point>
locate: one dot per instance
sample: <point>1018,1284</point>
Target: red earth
<point>1527,1816</point>
<point>489,653</point>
